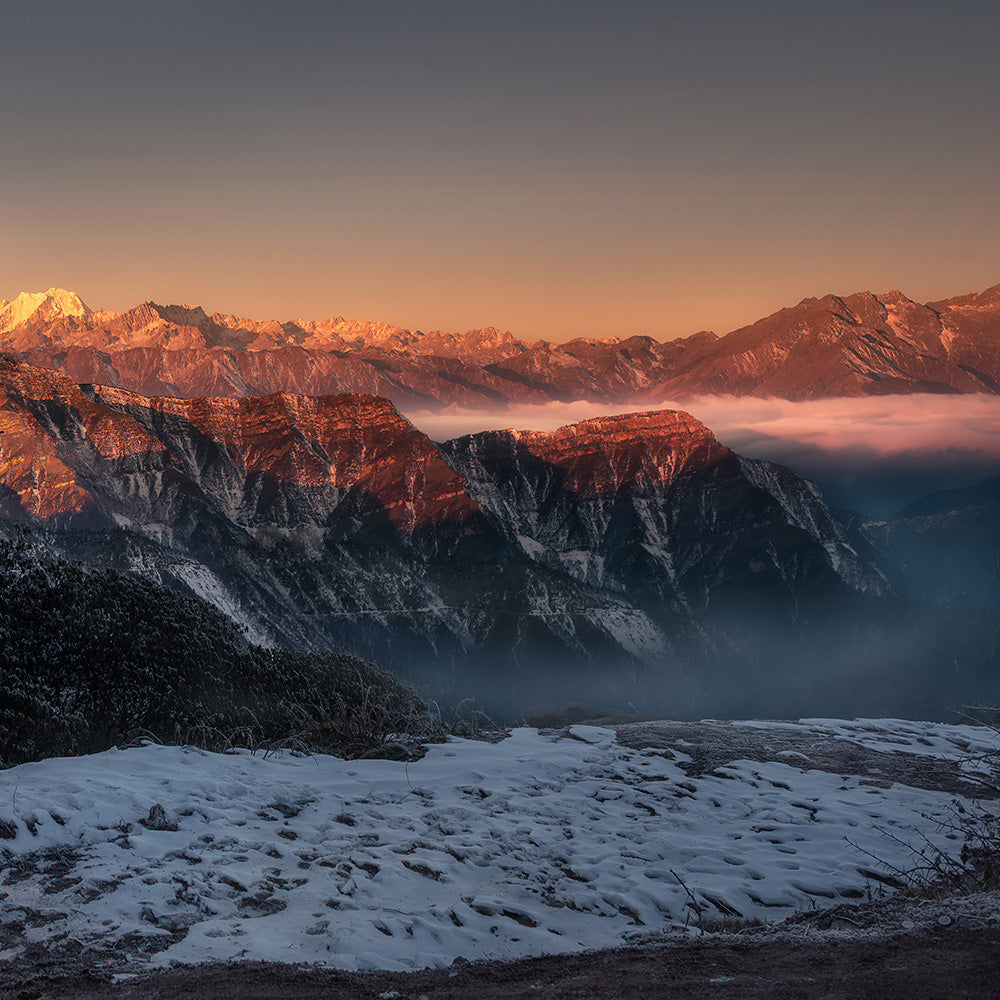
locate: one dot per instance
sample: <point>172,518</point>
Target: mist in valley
<point>926,649</point>
<point>885,658</point>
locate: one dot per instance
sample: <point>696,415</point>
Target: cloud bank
<point>876,453</point>
<point>876,426</point>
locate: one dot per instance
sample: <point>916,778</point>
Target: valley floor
<point>544,844</point>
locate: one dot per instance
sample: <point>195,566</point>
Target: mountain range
<point>264,467</point>
<point>627,558</point>
<point>855,345</point>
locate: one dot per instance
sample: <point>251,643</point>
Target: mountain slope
<point>653,506</point>
<point>91,658</point>
<point>945,548</point>
<point>858,345</point>
<point>520,561</point>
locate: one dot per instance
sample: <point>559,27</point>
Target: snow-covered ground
<point>538,843</point>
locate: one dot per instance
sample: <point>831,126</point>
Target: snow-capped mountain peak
<point>55,302</point>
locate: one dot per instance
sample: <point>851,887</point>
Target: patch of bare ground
<point>711,745</point>
<point>959,960</point>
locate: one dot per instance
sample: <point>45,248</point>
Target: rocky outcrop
<point>294,461</point>
<point>57,446</point>
<point>651,505</point>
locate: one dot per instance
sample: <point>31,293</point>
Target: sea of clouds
<point>874,453</point>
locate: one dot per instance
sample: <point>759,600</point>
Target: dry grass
<point>366,724</point>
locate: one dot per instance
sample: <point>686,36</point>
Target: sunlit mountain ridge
<point>856,345</point>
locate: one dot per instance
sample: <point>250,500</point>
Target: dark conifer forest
<point>92,659</point>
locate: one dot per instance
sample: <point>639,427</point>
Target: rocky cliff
<point>652,506</point>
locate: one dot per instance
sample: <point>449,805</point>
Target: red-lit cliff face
<point>328,445</point>
<point>251,459</point>
<point>34,481</point>
<point>603,456</point>
<point>111,434</point>
<point>52,437</point>
<point>854,345</point>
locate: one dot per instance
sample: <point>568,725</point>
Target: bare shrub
<point>931,871</point>
<point>365,725</point>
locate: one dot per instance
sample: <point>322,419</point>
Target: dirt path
<point>961,962</point>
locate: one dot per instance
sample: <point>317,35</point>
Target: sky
<point>556,169</point>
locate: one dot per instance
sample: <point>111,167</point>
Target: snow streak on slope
<point>206,585</point>
<point>538,844</point>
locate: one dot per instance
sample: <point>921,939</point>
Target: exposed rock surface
<point>652,505</point>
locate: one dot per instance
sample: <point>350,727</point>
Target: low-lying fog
<point>923,657</point>
<point>874,454</point>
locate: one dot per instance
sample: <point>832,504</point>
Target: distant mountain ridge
<point>855,345</point>
<point>945,547</point>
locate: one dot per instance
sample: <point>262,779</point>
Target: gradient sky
<point>556,169</point>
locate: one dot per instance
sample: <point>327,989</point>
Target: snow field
<point>539,843</point>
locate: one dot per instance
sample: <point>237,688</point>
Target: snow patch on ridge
<point>206,585</point>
